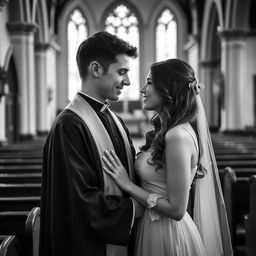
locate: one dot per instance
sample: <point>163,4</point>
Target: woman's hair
<point>171,80</point>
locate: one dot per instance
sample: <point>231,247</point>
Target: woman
<point>176,152</point>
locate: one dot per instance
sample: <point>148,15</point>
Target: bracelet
<point>152,200</point>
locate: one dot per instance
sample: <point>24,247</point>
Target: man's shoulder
<point>67,120</point>
<point>67,116</point>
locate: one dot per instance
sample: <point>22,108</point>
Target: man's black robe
<point>76,217</point>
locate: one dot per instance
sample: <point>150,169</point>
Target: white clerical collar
<point>105,104</point>
<point>91,97</point>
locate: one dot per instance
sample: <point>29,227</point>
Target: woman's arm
<point>178,155</point>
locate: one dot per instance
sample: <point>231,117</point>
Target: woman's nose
<point>143,89</point>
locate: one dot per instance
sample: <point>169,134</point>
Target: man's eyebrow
<point>149,78</point>
<point>123,69</point>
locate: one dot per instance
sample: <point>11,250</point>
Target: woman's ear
<point>95,69</point>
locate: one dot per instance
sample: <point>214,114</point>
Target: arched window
<point>166,36</point>
<point>123,23</point>
<point>77,32</point>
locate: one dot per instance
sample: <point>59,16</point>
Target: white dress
<point>158,235</point>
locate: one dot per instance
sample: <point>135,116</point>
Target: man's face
<point>112,83</point>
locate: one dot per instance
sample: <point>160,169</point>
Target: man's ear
<point>95,69</point>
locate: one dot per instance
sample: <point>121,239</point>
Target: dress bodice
<point>155,181</point>
<point>152,180</point>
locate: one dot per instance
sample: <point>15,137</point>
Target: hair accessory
<point>195,86</point>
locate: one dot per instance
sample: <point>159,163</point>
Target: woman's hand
<point>116,170</point>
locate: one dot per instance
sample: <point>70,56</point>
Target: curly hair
<point>171,80</point>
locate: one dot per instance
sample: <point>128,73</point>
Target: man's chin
<point>114,98</point>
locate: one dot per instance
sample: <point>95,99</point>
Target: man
<point>83,212</point>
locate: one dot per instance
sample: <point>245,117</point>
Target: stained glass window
<point>77,32</point>
<point>123,23</point>
<point>166,36</point>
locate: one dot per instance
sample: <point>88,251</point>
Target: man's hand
<point>114,168</point>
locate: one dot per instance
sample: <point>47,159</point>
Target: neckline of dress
<point>192,169</point>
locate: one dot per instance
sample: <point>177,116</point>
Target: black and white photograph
<point>127,128</point>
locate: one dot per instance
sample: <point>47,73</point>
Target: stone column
<point>3,139</point>
<point>3,78</point>
<point>22,39</point>
<point>233,53</point>
<point>41,87</point>
<point>209,69</point>
<point>52,82</point>
<point>192,51</point>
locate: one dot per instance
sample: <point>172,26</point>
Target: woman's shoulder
<point>178,135</point>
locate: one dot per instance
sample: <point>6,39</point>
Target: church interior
<point>39,77</point>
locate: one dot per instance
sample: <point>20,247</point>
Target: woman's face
<point>151,99</point>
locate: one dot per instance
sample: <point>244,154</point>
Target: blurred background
<point>39,40</point>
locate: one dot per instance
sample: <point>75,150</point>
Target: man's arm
<point>78,177</point>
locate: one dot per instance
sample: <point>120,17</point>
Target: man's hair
<point>102,47</point>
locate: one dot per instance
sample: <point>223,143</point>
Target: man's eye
<point>121,73</point>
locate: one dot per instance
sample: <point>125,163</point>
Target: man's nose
<point>126,80</point>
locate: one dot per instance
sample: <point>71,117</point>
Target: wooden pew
<point>22,203</point>
<point>25,226</point>
<point>26,149</point>
<point>32,231</point>
<point>20,161</point>
<point>245,172</point>
<point>20,184</point>
<point>236,164</point>
<point>20,168</point>
<point>228,151</point>
<point>20,189</point>
<point>13,223</point>
<point>250,220</point>
<point>17,178</point>
<point>235,145</point>
<point>241,156</point>
<point>16,147</point>
<point>236,196</point>
<point>21,155</point>
<point>240,172</point>
<point>21,151</point>
<point>9,246</point>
